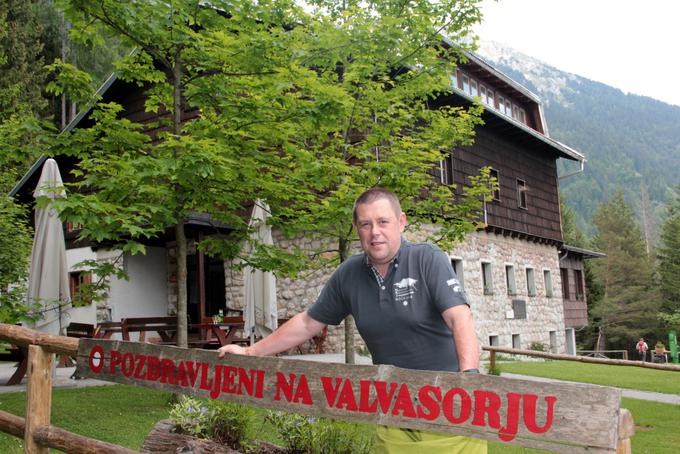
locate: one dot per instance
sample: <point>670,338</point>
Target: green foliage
<point>310,435</point>
<point>630,300</point>
<point>15,249</point>
<point>668,255</point>
<point>537,346</point>
<point>216,420</point>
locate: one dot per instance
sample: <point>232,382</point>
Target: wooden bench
<point>106,330</point>
<point>18,354</point>
<point>166,327</point>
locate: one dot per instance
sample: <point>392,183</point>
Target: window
<point>510,279</point>
<point>482,94</point>
<point>515,341</point>
<point>490,99</point>
<point>78,280</point>
<point>501,104</point>
<point>564,274</point>
<point>496,193</point>
<point>553,341</point>
<point>474,89</point>
<point>466,83</point>
<point>521,194</point>
<point>456,80</point>
<point>508,107</point>
<point>493,341</point>
<point>457,265</point>
<point>486,278</point>
<point>578,278</point>
<point>531,282</point>
<point>547,279</point>
<point>519,309</point>
<point>446,168</point>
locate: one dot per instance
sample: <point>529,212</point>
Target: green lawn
<point>628,377</point>
<point>118,414</point>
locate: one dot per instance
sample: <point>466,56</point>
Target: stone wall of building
<point>493,311</point>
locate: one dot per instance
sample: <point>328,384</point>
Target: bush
<point>537,346</point>
<point>310,435</point>
<point>219,421</point>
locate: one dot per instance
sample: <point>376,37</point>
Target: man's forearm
<point>460,322</point>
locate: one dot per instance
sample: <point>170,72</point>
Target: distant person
<point>642,348</point>
<point>408,306</point>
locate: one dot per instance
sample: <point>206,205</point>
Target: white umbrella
<point>48,282</point>
<point>260,314</point>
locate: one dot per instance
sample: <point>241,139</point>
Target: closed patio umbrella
<point>260,313</point>
<point>48,281</point>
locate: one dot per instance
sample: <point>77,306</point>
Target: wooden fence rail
<point>555,417</point>
<point>582,359</point>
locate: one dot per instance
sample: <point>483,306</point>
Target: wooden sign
<point>556,417</point>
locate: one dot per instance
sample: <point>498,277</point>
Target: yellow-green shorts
<point>393,440</point>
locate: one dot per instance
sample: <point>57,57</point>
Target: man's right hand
<point>232,348</point>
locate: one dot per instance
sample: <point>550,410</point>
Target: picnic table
<point>18,353</point>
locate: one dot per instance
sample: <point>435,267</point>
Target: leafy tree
<point>629,303</point>
<point>301,109</point>
<point>669,261</point>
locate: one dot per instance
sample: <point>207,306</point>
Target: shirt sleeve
<point>330,308</point>
<point>443,284</point>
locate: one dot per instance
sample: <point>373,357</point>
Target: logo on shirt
<point>455,285</point>
<point>405,289</point>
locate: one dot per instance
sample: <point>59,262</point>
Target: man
<point>408,307</point>
<point>642,349</point>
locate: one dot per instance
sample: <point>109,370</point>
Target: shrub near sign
<point>555,417</point>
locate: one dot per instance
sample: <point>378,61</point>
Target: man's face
<point>380,229</point>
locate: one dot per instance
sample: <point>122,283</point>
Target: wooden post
<point>492,362</point>
<point>626,432</point>
<point>39,396</point>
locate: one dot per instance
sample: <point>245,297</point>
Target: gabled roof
<point>585,253</point>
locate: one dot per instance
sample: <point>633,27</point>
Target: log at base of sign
<point>556,417</point>
<point>162,439</point>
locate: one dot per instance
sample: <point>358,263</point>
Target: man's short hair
<point>374,194</point>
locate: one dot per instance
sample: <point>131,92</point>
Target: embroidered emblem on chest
<point>405,289</point>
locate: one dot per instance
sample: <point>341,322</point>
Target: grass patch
<point>629,377</point>
<point>117,414</point>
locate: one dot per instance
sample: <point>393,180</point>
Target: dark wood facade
<point>539,219</point>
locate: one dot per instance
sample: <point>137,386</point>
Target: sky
<point>628,44</point>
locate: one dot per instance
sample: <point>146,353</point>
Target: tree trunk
<point>181,244</point>
<point>180,236</point>
<point>343,246</point>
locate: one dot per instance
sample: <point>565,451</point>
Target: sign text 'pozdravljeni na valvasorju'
<point>489,407</point>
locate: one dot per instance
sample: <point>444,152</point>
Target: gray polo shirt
<point>399,318</point>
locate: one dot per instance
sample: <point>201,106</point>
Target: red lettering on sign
<point>384,397</point>
<point>96,359</point>
<point>365,394</point>
<point>192,368</point>
<point>116,358</point>
<point>205,383</point>
<point>330,389</point>
<point>167,371</point>
<point>215,392</point>
<point>128,364</point>
<point>404,403</point>
<point>449,407</point>
<point>487,403</point>
<point>427,395</point>
<point>153,369</point>
<point>139,369</point>
<point>250,381</point>
<point>346,398</point>
<point>181,375</point>
<point>530,403</point>
<point>302,392</point>
<point>508,432</point>
<point>229,374</point>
